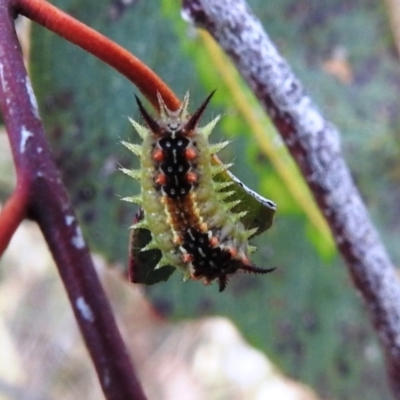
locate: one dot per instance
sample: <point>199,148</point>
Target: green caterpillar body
<point>188,211</point>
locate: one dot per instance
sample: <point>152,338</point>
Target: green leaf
<point>142,263</point>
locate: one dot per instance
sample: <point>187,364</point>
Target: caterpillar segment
<point>189,213</point>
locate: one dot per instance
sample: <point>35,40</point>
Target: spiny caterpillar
<point>186,209</point>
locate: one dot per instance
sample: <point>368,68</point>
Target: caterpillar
<point>185,207</point>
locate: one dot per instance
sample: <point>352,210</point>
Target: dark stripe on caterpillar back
<point>187,211</point>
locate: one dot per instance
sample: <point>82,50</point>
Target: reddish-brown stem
<point>14,211</point>
<point>95,43</point>
<point>47,203</point>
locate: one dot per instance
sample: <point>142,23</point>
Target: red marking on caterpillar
<point>187,211</point>
<point>214,241</point>
<point>187,258</point>
<point>190,154</point>
<point>161,179</point>
<point>158,155</point>
<point>191,177</point>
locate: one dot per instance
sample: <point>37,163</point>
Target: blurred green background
<point>306,316</point>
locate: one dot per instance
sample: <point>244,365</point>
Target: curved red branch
<point>13,212</point>
<point>95,43</point>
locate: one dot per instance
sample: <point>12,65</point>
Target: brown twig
<point>40,189</point>
<point>315,145</point>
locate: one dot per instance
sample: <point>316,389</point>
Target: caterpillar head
<point>173,122</point>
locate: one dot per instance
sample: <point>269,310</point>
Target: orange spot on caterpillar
<point>187,258</point>
<point>191,177</point>
<point>214,241</point>
<point>161,179</point>
<point>190,154</point>
<point>158,155</point>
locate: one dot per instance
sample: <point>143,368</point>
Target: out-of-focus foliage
<point>305,315</point>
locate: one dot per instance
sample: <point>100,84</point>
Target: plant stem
<point>13,212</point>
<point>49,206</point>
<point>315,145</point>
<point>105,49</point>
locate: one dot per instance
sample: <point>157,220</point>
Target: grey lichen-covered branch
<point>315,145</point>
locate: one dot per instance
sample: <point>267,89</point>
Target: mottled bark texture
<point>315,145</point>
<point>42,196</point>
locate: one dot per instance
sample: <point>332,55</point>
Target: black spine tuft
<point>150,121</point>
<point>194,119</point>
